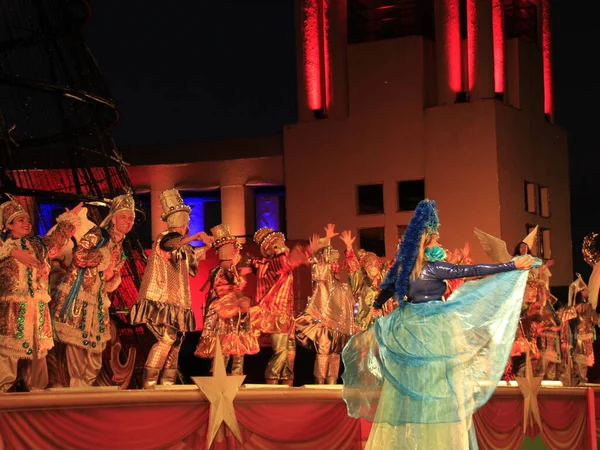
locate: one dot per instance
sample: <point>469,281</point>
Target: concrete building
<point>401,100</point>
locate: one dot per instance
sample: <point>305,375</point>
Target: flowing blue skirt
<point>437,362</point>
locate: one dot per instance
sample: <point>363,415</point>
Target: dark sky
<point>202,69</point>
<point>577,99</point>
<point>186,70</point>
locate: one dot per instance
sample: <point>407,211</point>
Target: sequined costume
<point>25,323</point>
<point>274,314</point>
<point>584,337</point>
<point>81,305</point>
<point>164,298</point>
<point>364,287</point>
<point>228,314</point>
<point>328,320</point>
<point>436,362</point>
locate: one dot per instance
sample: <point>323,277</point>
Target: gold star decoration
<point>220,390</point>
<point>530,386</point>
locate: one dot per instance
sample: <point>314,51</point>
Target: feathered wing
<point>494,247</point>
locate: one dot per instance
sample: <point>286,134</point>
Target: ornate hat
<point>222,235</point>
<point>264,236</point>
<point>591,253</point>
<point>370,258</point>
<point>119,204</point>
<point>9,210</point>
<point>424,221</point>
<point>171,202</point>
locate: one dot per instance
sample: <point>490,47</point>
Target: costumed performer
<point>435,361</point>
<point>81,306</point>
<point>25,322</point>
<point>228,313</point>
<point>328,319</point>
<point>164,299</point>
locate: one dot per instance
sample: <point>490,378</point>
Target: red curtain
<point>499,424</point>
<point>263,426</point>
<point>269,425</point>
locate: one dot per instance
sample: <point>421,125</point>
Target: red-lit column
<point>448,50</point>
<point>322,27</point>
<point>236,202</point>
<point>480,49</point>
<point>499,45</point>
<point>547,60</point>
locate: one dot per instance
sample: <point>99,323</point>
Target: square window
<point>269,207</point>
<point>410,193</point>
<point>372,240</point>
<point>545,244</point>
<point>544,198</point>
<point>370,199</point>
<point>530,197</point>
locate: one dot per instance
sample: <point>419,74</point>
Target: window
<point>372,240</point>
<point>370,199</point>
<point>544,199</point>
<point>206,210</point>
<point>545,244</point>
<point>530,197</point>
<point>410,193</point>
<point>269,207</point>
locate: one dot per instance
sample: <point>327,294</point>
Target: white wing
<point>594,286</point>
<point>494,247</point>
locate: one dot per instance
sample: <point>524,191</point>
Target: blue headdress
<point>424,220</point>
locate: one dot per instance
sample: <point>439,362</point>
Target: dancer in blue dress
<point>421,372</point>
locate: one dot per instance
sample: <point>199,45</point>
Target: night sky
<point>202,70</point>
<point>196,70</point>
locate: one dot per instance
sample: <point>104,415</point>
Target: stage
<point>308,417</point>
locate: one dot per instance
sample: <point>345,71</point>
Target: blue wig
<point>425,219</point>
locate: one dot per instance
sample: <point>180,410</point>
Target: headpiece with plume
<point>119,204</point>
<point>424,220</point>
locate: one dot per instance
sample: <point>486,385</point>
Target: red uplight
<point>547,58</point>
<point>471,41</point>
<point>453,53</point>
<point>312,54</point>
<point>498,40</point>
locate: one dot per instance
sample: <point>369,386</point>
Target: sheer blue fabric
<point>440,361</point>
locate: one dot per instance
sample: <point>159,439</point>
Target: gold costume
<point>328,320</point>
<point>274,314</point>
<point>25,324</point>
<point>164,299</point>
<point>228,314</point>
<point>81,309</point>
<point>364,287</point>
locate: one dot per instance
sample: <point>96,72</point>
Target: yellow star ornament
<point>220,390</point>
<point>530,386</point>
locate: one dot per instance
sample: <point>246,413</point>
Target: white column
<point>236,209</point>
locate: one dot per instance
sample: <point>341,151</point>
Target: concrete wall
<point>381,142</point>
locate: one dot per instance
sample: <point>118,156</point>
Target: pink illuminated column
<point>547,60</point>
<point>480,49</point>
<point>499,45</point>
<point>448,50</point>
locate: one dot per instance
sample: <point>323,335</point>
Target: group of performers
<point>55,290</point>
<point>54,302</point>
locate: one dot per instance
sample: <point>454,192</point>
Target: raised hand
<point>330,231</point>
<point>524,262</point>
<point>347,239</point>
<point>202,236</point>
<point>313,243</point>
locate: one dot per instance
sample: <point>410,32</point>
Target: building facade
<point>401,100</point>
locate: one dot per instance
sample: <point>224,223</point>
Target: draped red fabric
<point>269,425</point>
<point>499,424</point>
<point>129,427</point>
